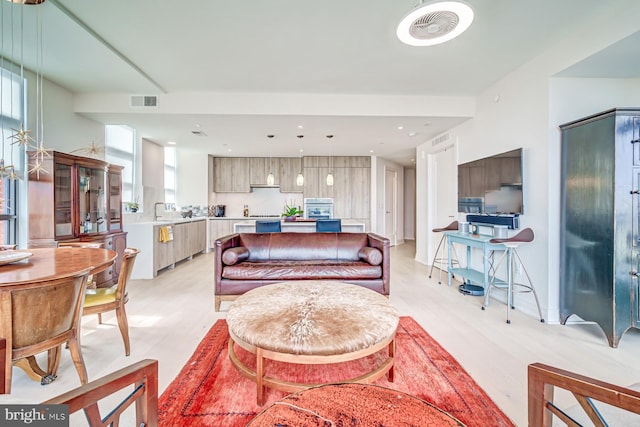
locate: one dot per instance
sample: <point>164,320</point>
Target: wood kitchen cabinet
<point>260,168</point>
<point>77,198</point>
<point>289,169</point>
<point>189,238</point>
<point>351,191</point>
<point>232,174</point>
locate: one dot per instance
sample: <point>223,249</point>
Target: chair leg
<point>100,318</point>
<point>533,290</point>
<point>78,361</point>
<point>435,256</point>
<point>123,324</point>
<point>53,360</point>
<point>218,302</point>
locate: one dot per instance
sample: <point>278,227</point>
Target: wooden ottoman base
<point>311,323</point>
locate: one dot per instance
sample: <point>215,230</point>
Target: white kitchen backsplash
<point>261,201</point>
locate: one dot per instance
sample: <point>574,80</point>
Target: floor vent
<point>144,101</point>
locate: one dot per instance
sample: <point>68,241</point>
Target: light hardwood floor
<point>168,316</point>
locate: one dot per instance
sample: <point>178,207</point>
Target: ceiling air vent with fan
<point>144,101</point>
<point>435,23</point>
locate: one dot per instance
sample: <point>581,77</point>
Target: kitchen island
<point>298,226</point>
<point>164,243</point>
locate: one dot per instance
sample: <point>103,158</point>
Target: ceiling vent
<point>439,140</point>
<point>144,101</point>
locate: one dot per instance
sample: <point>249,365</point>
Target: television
<point>492,185</point>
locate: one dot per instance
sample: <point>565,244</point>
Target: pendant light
<point>300,177</point>
<point>271,179</point>
<point>330,174</point>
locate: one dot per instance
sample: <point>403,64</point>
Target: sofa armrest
<point>221,245</point>
<point>382,243</point>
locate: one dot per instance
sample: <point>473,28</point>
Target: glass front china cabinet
<point>75,198</point>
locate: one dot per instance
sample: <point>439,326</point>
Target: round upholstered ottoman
<point>311,322</point>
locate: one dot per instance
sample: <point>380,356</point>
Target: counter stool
<point>511,254</point>
<point>443,260</point>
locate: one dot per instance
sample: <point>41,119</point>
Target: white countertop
<point>165,221</point>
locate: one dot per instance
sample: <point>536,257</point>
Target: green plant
<point>132,206</point>
<point>291,211</point>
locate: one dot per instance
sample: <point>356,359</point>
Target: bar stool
<point>511,254</point>
<point>443,260</point>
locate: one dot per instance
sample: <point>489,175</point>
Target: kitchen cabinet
<point>472,180</point>
<point>351,191</point>
<point>75,198</point>
<point>189,238</point>
<point>231,174</point>
<point>260,168</point>
<point>217,229</point>
<point>599,221</point>
<point>289,169</point>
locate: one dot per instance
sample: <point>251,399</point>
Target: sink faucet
<point>155,210</point>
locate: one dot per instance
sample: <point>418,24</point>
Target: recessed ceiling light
<point>229,150</point>
<point>400,127</point>
<point>435,23</point>
<point>300,126</point>
<point>412,133</point>
<point>171,143</point>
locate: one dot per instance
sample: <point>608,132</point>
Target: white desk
<point>479,241</point>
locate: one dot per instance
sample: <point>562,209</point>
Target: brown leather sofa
<point>244,261</point>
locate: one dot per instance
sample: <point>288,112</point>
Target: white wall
<point>193,171</point>
<point>409,207</point>
<point>524,109</point>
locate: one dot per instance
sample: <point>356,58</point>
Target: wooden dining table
<point>45,264</point>
<point>49,263</point>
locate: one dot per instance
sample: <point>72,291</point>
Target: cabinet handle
<point>634,192</point>
<point>634,141</point>
<point>634,273</point>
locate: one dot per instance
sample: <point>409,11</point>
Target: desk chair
<point>102,300</point>
<point>442,260</point>
<point>42,317</point>
<point>328,225</point>
<point>512,256</point>
<point>268,227</point>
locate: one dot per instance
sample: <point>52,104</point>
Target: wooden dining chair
<point>41,316</point>
<point>102,300</point>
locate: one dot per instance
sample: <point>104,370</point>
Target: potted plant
<point>291,212</point>
<point>132,206</point>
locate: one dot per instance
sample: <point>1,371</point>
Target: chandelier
<point>22,138</point>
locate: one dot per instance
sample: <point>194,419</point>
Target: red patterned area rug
<point>210,392</point>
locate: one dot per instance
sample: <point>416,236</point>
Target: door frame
<point>392,235</point>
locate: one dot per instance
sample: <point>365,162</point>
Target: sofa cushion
<point>233,255</point>
<point>371,255</point>
<point>302,270</point>
<point>303,246</point>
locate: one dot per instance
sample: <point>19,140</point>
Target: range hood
<point>264,186</point>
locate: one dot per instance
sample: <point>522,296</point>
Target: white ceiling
<point>297,48</point>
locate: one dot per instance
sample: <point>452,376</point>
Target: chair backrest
<point>268,227</point>
<point>329,225</point>
<point>128,259</point>
<point>45,312</point>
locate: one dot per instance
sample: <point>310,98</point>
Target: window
<point>120,150</point>
<point>170,175</point>
<point>12,114</point>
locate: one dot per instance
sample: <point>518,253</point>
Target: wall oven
<point>318,208</point>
